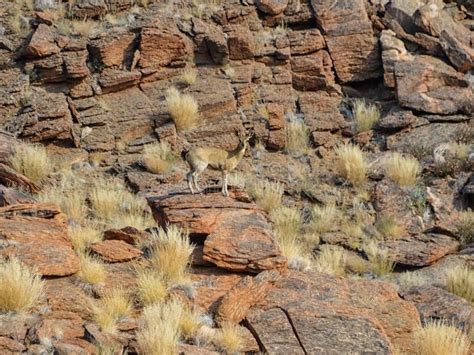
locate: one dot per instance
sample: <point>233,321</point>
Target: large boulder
<point>430,85</point>
<point>42,43</point>
<point>272,7</point>
<point>393,50</point>
<point>115,49</point>
<point>318,313</point>
<point>37,235</point>
<point>237,235</point>
<point>460,54</point>
<point>350,39</point>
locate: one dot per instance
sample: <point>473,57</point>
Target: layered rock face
<point>91,85</point>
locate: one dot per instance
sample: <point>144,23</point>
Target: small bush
<point>460,281</point>
<point>388,227</point>
<point>92,270</point>
<point>189,323</point>
<point>365,115</point>
<point>286,221</point>
<point>32,161</point>
<point>229,338</point>
<point>465,226</point>
<point>183,108</point>
<point>266,194</point>
<point>380,261</point>
<point>110,309</point>
<point>152,288</point>
<point>71,201</point>
<point>171,254</point>
<point>437,338</point>
<point>297,137</point>
<point>325,218</point>
<point>106,197</point>
<point>82,236</point>
<point>158,157</point>
<point>161,330</point>
<point>351,164</point>
<point>402,170</point>
<point>460,150</point>
<point>21,288</point>
<point>409,279</point>
<point>189,76</point>
<point>331,260</point>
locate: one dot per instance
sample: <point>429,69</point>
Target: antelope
<point>217,159</point>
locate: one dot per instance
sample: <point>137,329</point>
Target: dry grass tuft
<point>380,260</point>
<point>324,218</point>
<point>83,28</point>
<point>110,309</point>
<point>409,279</point>
<point>351,164</point>
<point>183,108</point>
<point>286,221</point>
<point>229,338</point>
<point>465,226</point>
<point>161,330</point>
<point>402,170</point>
<point>106,197</point>
<point>189,323</point>
<point>266,194</point>
<point>32,161</point>
<point>82,236</point>
<point>365,115</point>
<point>388,227</point>
<point>21,288</point>
<point>71,200</point>
<point>152,288</point>
<point>189,76</point>
<point>92,270</point>
<point>460,150</point>
<point>158,157</point>
<point>460,281</point>
<point>437,338</point>
<point>297,137</point>
<point>331,260</point>
<point>171,255</point>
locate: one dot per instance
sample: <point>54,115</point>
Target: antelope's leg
<point>189,177</point>
<point>196,173</point>
<point>224,184</point>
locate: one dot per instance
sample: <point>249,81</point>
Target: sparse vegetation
<point>110,309</point>
<point>460,281</point>
<point>365,115</point>
<point>189,76</point>
<point>465,226</point>
<point>33,161</point>
<point>152,288</point>
<point>171,254</point>
<point>82,236</point>
<point>380,261</point>
<point>229,338</point>
<point>158,157</point>
<point>266,194</point>
<point>331,260</point>
<point>324,218</point>
<point>183,108</point>
<point>388,227</point>
<point>92,270</point>
<point>409,279</point>
<point>438,338</point>
<point>351,164</point>
<point>297,136</point>
<point>263,111</point>
<point>403,170</point>
<point>21,288</point>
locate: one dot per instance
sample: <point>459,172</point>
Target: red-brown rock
<point>37,235</point>
<point>272,7</point>
<point>115,251</point>
<point>115,49</point>
<point>241,44</point>
<point>129,235</point>
<point>313,71</point>
<point>42,43</point>
<point>161,47</point>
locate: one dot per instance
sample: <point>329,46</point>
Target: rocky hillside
<point>348,227</point>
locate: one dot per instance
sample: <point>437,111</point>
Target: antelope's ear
<point>250,136</point>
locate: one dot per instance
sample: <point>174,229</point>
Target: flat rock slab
<point>310,313</point>
<point>237,233</point>
<point>115,251</point>
<point>129,235</point>
<point>37,235</point>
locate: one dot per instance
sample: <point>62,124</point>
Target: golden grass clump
<point>21,288</point>
<point>297,137</point>
<point>152,288</point>
<point>465,226</point>
<point>33,161</point>
<point>189,76</point>
<point>189,323</point>
<point>380,261</point>
<point>460,281</point>
<point>183,108</point>
<point>388,227</point>
<point>160,332</point>
<point>460,150</point>
<point>82,236</point>
<point>266,194</point>
<point>286,221</point>
<point>106,197</point>
<point>92,270</point>
<point>324,218</point>
<point>365,115</point>
<point>171,255</point>
<point>331,260</point>
<point>403,170</point>
<point>70,201</point>
<point>438,338</point>
<point>158,157</point>
<point>229,338</point>
<point>409,279</point>
<point>351,164</point>
<point>110,309</point>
